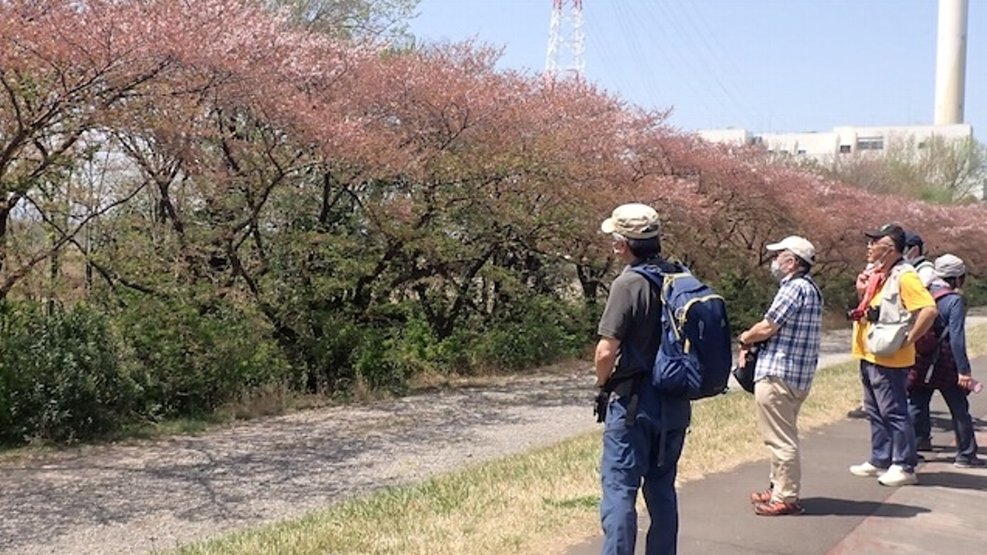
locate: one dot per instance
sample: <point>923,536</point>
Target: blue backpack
<point>695,357</point>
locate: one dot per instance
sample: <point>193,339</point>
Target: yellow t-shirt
<point>915,297</point>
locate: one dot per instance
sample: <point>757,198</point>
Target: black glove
<point>600,405</point>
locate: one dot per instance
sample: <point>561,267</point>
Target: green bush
<point>377,363</point>
<point>544,330</point>
<point>187,359</point>
<point>747,298</point>
<point>975,291</point>
<point>385,354</point>
<point>59,375</point>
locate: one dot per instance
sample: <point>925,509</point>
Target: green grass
<point>538,502</point>
<point>529,503</point>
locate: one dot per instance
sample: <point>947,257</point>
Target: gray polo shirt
<point>632,315</point>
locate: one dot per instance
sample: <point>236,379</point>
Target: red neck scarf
<point>874,281</point>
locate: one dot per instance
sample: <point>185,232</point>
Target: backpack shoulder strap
<point>936,295</point>
<point>942,292</point>
<point>658,281</point>
<point>924,263</point>
<point>660,274</point>
<point>661,281</point>
<point>812,283</point>
<point>650,273</point>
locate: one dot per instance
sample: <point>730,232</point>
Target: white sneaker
<point>866,470</point>
<point>896,476</point>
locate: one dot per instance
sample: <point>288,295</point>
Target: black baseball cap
<point>894,231</point>
<point>913,239</point>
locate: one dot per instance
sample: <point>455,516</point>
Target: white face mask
<point>776,271</point>
<point>879,261</point>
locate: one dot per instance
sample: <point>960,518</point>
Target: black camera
<point>873,314</point>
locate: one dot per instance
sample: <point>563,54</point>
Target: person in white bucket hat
<point>942,363</point>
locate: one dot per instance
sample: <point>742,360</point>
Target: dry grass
<point>539,502</point>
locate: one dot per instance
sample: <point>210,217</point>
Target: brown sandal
<point>761,497</point>
<point>778,508</point>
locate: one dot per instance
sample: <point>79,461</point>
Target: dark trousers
<point>631,462</point>
<point>959,409</point>
<point>892,437</point>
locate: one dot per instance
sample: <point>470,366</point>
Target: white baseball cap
<point>799,246</point>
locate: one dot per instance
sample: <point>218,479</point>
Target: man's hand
<point>742,357</point>
<point>965,381</point>
<point>861,283</point>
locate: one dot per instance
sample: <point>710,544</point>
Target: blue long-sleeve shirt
<point>952,317</point>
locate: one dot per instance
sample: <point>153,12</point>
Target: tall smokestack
<point>951,61</point>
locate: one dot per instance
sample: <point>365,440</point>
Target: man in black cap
<point>896,310</point>
<point>914,254</point>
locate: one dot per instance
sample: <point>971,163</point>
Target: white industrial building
<point>842,140</point>
<point>851,141</point>
<point>948,126</point>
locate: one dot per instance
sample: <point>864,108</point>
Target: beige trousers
<point>778,407</point>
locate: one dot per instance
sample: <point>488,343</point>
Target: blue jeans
<point>630,458</point>
<point>892,437</point>
<point>959,409</point>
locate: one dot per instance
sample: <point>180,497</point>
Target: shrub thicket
<point>60,375</point>
<point>187,360</point>
<point>79,373</point>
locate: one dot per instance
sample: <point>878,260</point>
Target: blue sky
<point>764,65</point>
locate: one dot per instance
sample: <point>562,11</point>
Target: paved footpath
<point>845,514</point>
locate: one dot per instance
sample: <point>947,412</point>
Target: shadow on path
<point>828,506</point>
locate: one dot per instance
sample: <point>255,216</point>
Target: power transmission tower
<point>565,41</point>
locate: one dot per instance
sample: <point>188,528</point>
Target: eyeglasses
<point>876,242</point>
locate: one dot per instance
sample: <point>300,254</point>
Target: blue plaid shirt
<point>793,352</point>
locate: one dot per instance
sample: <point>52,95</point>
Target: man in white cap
<point>789,336</point>
<point>941,363</point>
<point>645,430</point>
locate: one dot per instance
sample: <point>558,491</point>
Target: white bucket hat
<point>950,265</point>
<point>634,221</point>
